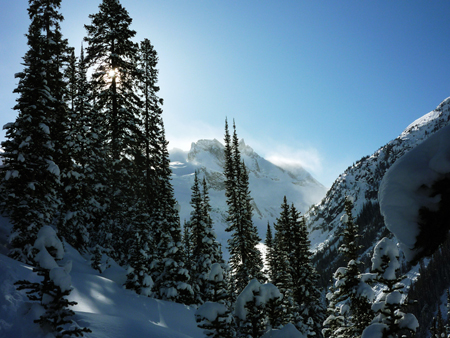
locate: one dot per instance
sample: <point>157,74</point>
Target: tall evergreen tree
<point>305,279</point>
<point>283,278</point>
<point>346,300</point>
<point>245,261</point>
<point>112,54</point>
<point>32,155</point>
<point>74,221</point>
<point>270,258</point>
<point>205,248</point>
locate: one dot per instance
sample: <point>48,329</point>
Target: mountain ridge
<point>268,184</point>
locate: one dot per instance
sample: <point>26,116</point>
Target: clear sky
<point>320,83</point>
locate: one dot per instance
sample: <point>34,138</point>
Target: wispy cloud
<point>289,157</point>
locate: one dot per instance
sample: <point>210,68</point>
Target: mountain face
<point>362,181</point>
<point>268,184</point>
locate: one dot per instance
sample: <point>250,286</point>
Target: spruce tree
<point>270,258</point>
<point>198,233</point>
<point>32,155</point>
<point>390,308</point>
<point>305,277</point>
<point>205,248</point>
<point>345,301</point>
<point>74,222</point>
<point>112,54</point>
<point>54,288</point>
<point>283,278</point>
<point>245,261</point>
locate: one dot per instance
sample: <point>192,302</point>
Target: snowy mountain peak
<point>268,184</point>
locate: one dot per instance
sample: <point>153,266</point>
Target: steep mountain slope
<point>362,181</point>
<point>268,184</point>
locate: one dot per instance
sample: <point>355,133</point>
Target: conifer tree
<point>270,258</point>
<point>390,308</point>
<point>75,218</point>
<point>214,315</point>
<point>346,300</point>
<point>305,278</point>
<point>283,278</point>
<point>112,54</point>
<point>216,321</point>
<point>53,290</point>
<point>187,244</point>
<point>32,156</point>
<point>198,233</point>
<point>245,261</point>
<point>205,248</point>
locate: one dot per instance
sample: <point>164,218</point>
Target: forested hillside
<point>91,240</point>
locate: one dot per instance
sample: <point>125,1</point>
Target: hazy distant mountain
<point>268,184</point>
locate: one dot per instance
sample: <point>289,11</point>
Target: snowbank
<point>405,187</point>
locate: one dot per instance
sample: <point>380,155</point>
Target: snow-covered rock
<point>406,187</point>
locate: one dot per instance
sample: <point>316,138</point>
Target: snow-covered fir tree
<point>307,295</point>
<point>282,270</point>
<point>258,309</point>
<point>349,300</point>
<point>216,320</point>
<point>54,288</point>
<point>204,248</point>
<point>270,258</point>
<point>214,315</point>
<point>390,321</point>
<point>112,54</point>
<point>245,261</point>
<point>30,172</point>
<point>75,221</point>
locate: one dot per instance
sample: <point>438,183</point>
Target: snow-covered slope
<point>104,305</point>
<point>268,184</point>
<point>362,180</point>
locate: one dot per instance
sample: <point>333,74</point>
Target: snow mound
<point>406,187</point>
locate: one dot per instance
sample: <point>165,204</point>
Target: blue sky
<point>320,83</point>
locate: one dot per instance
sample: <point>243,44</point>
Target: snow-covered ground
<point>104,306</point>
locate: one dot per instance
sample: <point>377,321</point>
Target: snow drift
<point>407,185</point>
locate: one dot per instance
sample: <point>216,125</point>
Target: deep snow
<point>406,185</point>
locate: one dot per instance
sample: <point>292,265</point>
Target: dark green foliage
<point>112,54</point>
<point>245,261</point>
<point>270,258</point>
<point>437,328</point>
<point>205,248</point>
<point>358,316</point>
<point>30,173</point>
<point>306,292</point>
